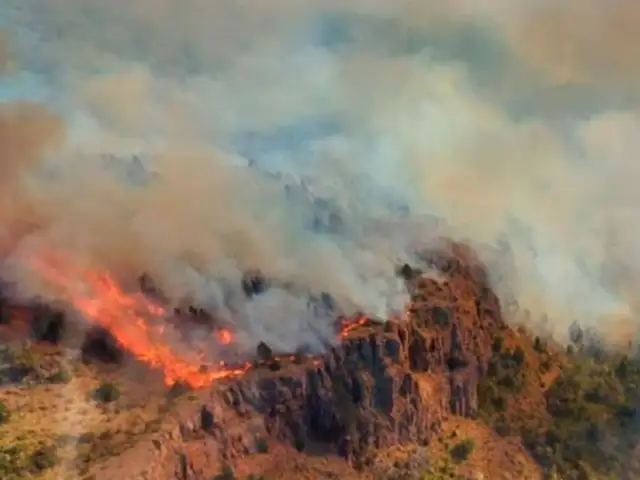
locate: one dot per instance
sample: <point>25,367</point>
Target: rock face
<point>382,386</point>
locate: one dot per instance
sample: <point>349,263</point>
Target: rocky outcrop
<point>384,385</point>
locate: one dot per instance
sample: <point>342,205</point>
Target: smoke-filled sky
<point>509,119</point>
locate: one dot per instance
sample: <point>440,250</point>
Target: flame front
<point>346,327</point>
<point>133,320</point>
<point>139,324</point>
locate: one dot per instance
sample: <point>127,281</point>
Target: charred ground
<point>449,391</point>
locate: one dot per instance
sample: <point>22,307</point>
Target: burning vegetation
<point>448,381</point>
<point>140,324</point>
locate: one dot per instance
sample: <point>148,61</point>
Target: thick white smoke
<point>508,119</point>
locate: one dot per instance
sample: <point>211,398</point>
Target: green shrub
<point>539,345</point>
<point>518,356</point>
<point>592,400</point>
<point>228,473</point>
<point>502,428</point>
<point>262,446</point>
<point>5,415</point>
<point>299,444</point>
<point>177,390</point>
<point>461,451</point>
<point>19,460</point>
<point>499,402</point>
<point>498,344</point>
<point>61,376</point>
<point>106,393</point>
<point>45,457</point>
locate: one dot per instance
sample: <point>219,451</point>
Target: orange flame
<point>348,326</point>
<point>98,297</point>
<point>136,322</point>
<point>225,337</point>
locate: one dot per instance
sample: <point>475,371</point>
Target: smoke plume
<point>5,56</point>
<point>313,141</point>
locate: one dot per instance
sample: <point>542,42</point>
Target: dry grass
<point>66,417</point>
<point>494,457</point>
<point>286,463</point>
<point>86,432</point>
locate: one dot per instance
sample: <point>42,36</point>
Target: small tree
<point>518,356</point>
<point>461,451</point>
<point>4,413</point>
<point>45,457</point>
<point>228,473</point>
<point>106,393</point>
<point>498,344</point>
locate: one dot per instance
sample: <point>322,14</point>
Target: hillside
<point>448,391</point>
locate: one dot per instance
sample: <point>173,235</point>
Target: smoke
<point>5,56</point>
<point>509,120</point>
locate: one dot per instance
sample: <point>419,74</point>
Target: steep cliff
<point>385,385</point>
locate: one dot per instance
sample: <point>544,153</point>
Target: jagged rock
<point>390,384</point>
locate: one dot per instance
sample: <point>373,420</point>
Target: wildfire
<point>347,326</point>
<point>225,337</point>
<point>129,318</point>
<point>138,324</point>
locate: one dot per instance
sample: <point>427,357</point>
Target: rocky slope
<point>448,391</point>
<point>398,383</point>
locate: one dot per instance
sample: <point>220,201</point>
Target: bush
<point>45,457</point>
<point>19,460</point>
<point>622,368</point>
<point>498,344</point>
<point>518,356</point>
<point>5,315</point>
<point>461,451</point>
<point>502,428</point>
<point>177,390</point>
<point>25,358</point>
<point>405,271</point>
<point>262,446</point>
<point>48,325</point>
<point>539,345</point>
<point>14,461</point>
<point>228,473</point>
<point>61,376</point>
<point>106,393</point>
<point>441,317</point>
<point>590,402</point>
<point>299,444</point>
<point>499,402</point>
<point>510,382</point>
<point>5,415</point>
